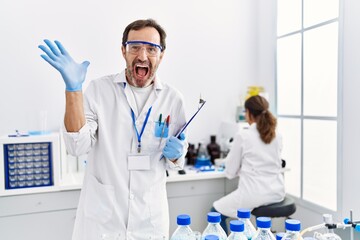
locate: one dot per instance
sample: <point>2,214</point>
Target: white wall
<point>350,128</point>
<point>211,47</point>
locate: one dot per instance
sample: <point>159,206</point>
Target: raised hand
<point>73,73</point>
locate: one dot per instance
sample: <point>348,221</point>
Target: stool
<point>276,210</point>
<point>280,209</point>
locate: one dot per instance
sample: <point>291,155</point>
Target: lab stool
<point>276,210</point>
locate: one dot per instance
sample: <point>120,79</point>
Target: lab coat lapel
<point>131,100</point>
<point>150,101</point>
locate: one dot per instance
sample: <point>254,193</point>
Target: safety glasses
<point>135,47</point>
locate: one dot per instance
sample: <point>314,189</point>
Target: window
<point>307,97</point>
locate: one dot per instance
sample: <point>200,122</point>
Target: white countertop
<point>193,174</point>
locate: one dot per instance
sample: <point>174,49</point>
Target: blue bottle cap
<point>243,213</point>
<point>292,225</point>
<point>236,226</point>
<point>211,237</point>
<point>280,235</point>
<point>183,220</point>
<point>214,217</point>
<point>263,222</point>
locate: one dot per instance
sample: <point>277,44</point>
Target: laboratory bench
<point>51,215</point>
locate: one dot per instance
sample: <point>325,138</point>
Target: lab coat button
<point>131,196</point>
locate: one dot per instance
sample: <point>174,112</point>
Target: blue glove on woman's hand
<point>72,72</point>
<point>174,147</point>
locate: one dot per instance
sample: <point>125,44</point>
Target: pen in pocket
<point>166,123</point>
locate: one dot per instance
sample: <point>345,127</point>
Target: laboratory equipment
<point>213,227</point>
<point>329,227</point>
<point>191,155</point>
<point>30,163</point>
<point>203,157</point>
<point>263,229</point>
<point>244,215</point>
<point>237,230</point>
<point>292,227</point>
<point>213,149</point>
<point>211,237</point>
<point>279,235</point>
<point>183,231</point>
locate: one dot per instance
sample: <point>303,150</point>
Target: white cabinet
<point>194,198</point>
<point>44,216</point>
<point>40,216</point>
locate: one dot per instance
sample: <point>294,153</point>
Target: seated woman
<point>255,158</point>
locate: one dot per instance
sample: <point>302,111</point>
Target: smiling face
<point>140,67</point>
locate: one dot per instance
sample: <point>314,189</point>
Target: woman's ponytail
<point>265,120</point>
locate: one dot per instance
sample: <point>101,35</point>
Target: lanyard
<point>142,129</point>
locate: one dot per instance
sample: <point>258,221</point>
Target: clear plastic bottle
<point>211,237</point>
<point>279,235</point>
<point>244,215</point>
<point>237,230</point>
<point>292,227</point>
<point>263,229</point>
<point>183,231</point>
<point>213,227</point>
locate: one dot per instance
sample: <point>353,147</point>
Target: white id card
<point>138,162</point>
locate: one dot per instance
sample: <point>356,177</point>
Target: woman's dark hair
<point>143,23</point>
<point>265,121</point>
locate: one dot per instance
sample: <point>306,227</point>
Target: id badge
<point>138,161</point>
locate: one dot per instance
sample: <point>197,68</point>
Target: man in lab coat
<point>118,122</point>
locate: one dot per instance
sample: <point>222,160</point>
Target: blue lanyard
<point>142,129</point>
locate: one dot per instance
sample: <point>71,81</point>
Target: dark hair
<point>265,121</point>
<point>143,23</point>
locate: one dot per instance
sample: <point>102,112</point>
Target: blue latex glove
<point>72,72</point>
<point>174,147</point>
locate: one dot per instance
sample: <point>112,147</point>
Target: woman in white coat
<point>255,158</point>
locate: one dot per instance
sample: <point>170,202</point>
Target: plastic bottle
<point>244,215</point>
<point>213,227</point>
<point>292,227</point>
<point>183,231</point>
<point>237,230</point>
<point>213,149</point>
<point>211,237</point>
<point>279,235</point>
<point>263,232</point>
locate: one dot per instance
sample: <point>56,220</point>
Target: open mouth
<point>141,70</point>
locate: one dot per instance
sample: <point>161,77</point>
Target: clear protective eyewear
<point>151,49</point>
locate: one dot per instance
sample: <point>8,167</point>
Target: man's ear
<point>123,51</point>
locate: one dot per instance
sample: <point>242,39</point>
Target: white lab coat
<point>115,200</point>
<point>258,166</point>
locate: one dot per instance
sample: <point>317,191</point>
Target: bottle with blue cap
<point>263,229</point>
<point>211,237</point>
<point>183,231</point>
<point>213,227</point>
<point>292,227</point>
<point>237,230</point>
<point>279,235</point>
<point>244,215</point>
